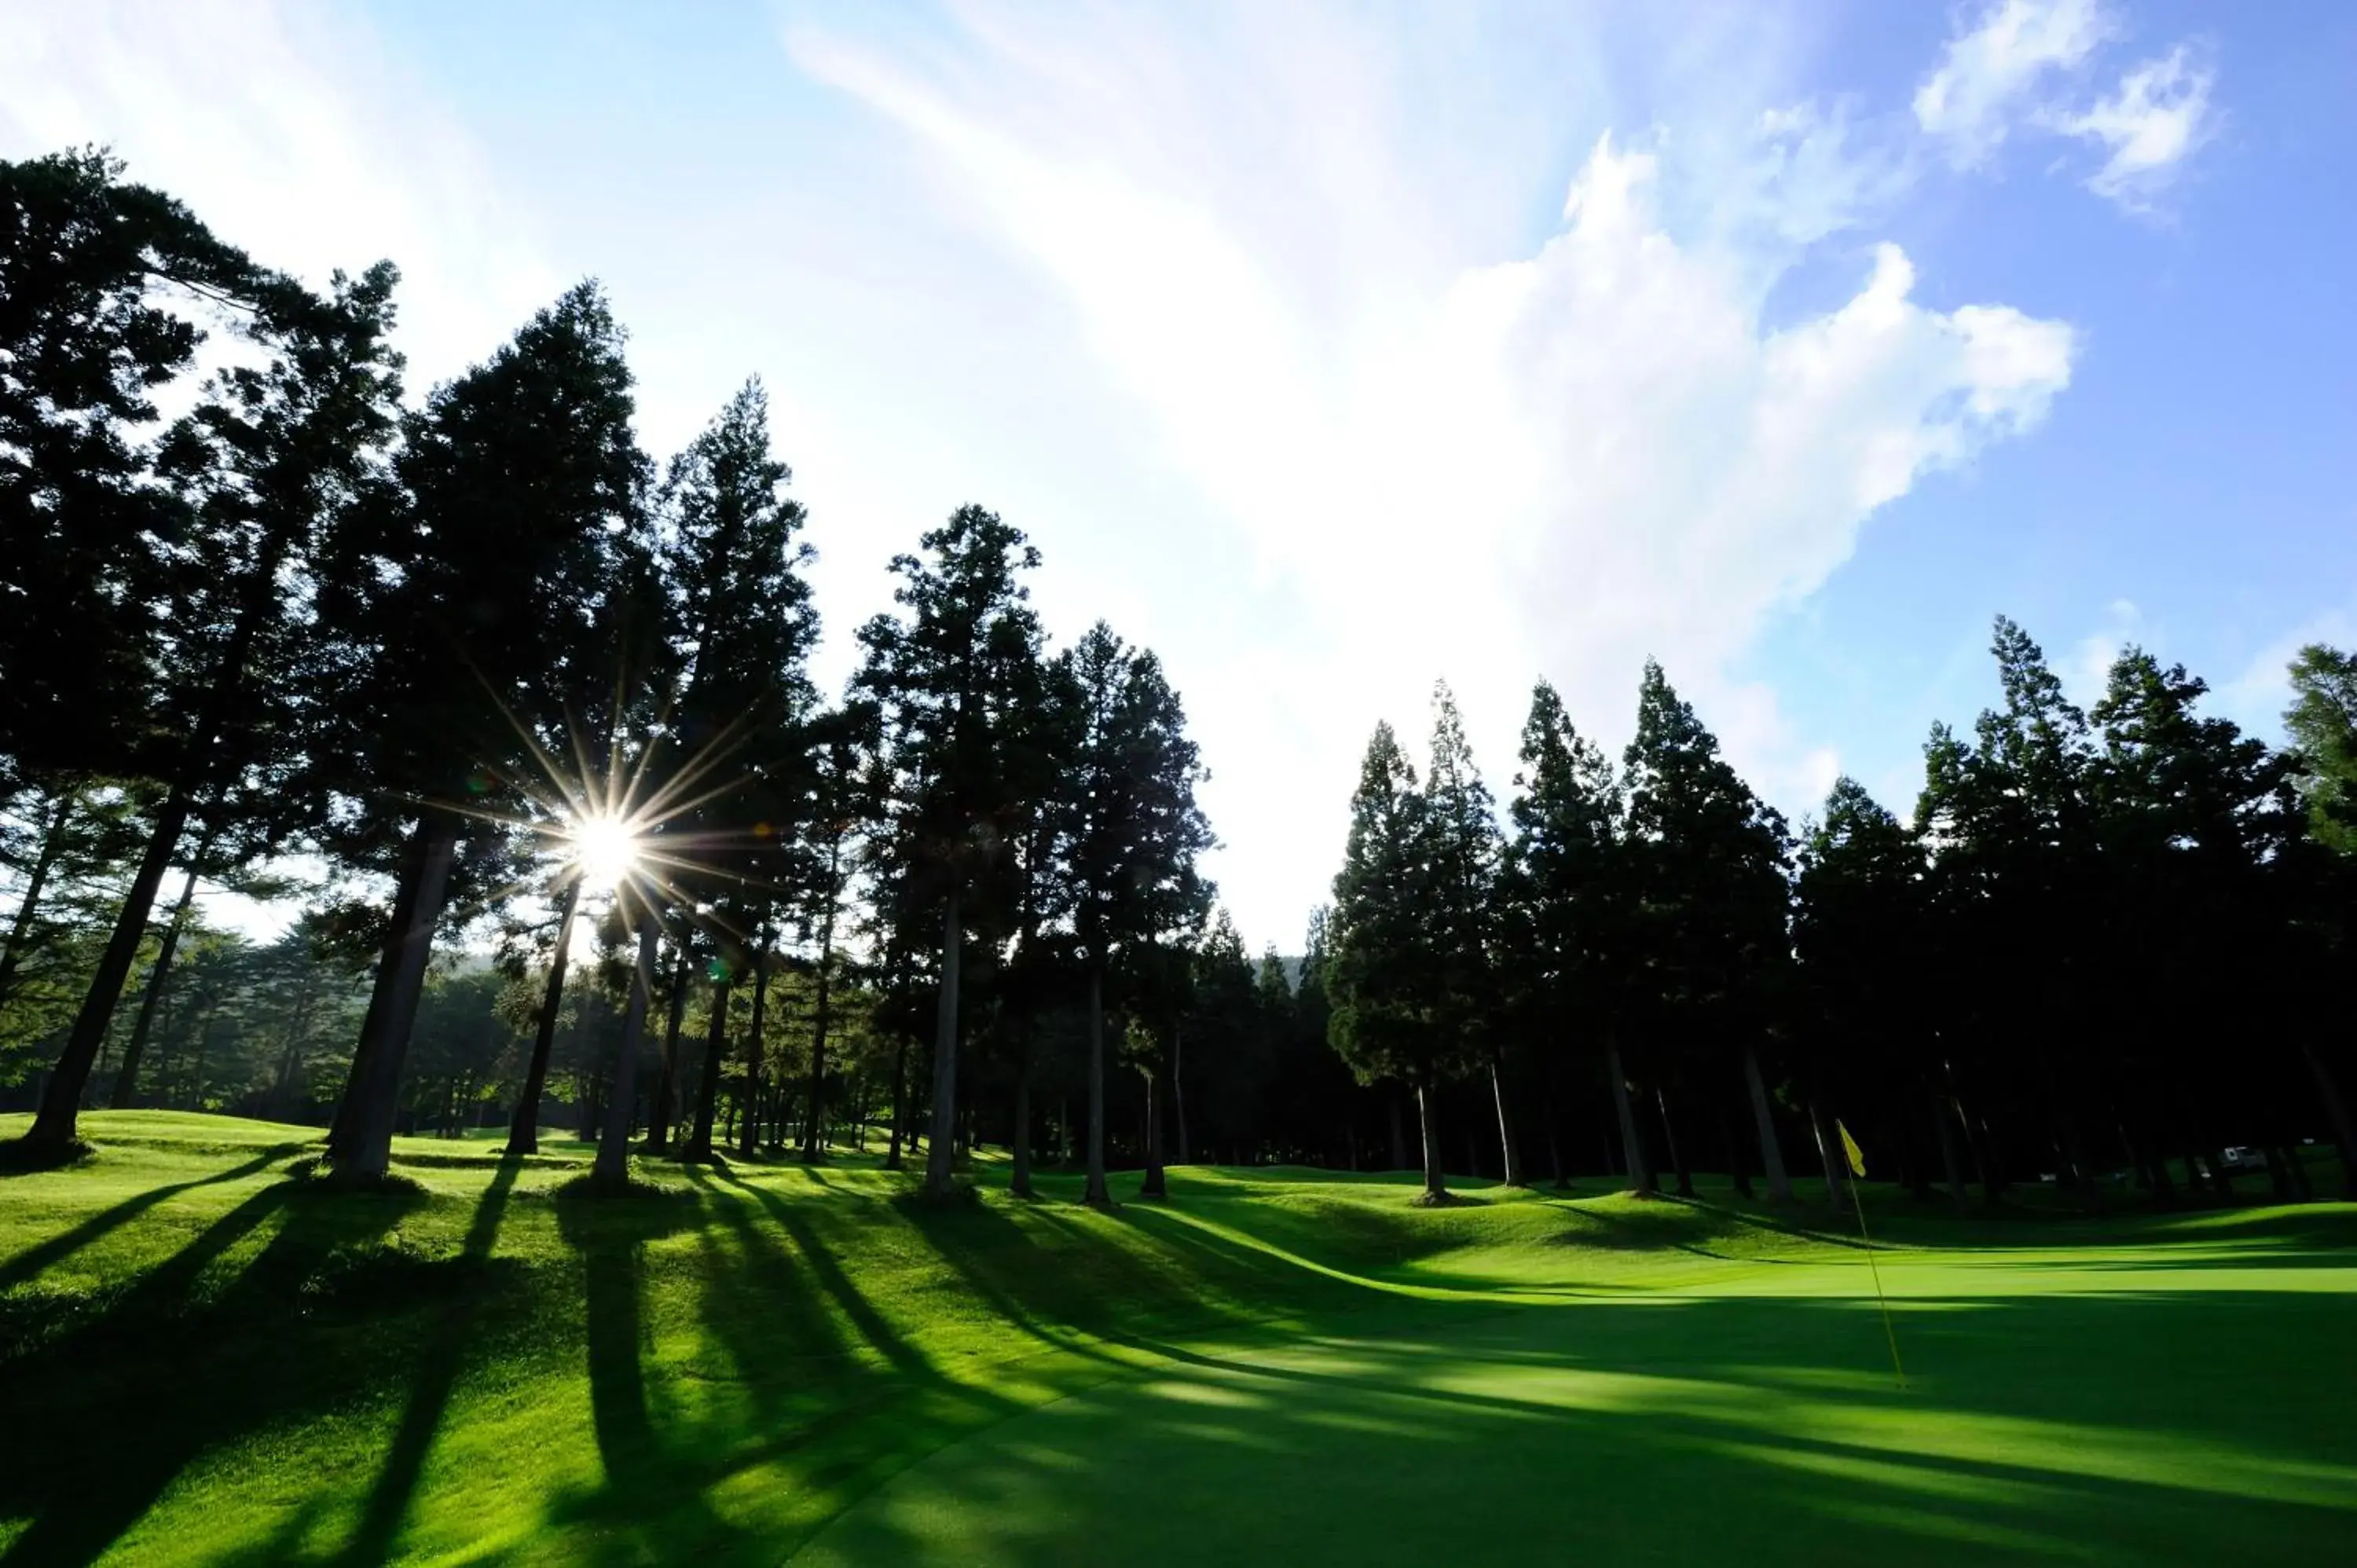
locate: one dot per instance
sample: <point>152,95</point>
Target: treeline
<point>481,657</point>
<point>2111,939</point>
<point>507,679</point>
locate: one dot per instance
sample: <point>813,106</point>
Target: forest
<point>522,719</point>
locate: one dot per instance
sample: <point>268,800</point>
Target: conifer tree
<point>1130,831</point>
<point>1707,861</point>
<point>263,467</point>
<point>482,596</point>
<point>1461,855</point>
<point>1563,897</point>
<point>1375,973</point>
<point>951,681</point>
<point>97,279</point>
<point>1858,932</point>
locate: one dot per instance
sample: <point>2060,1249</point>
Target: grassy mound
<point>218,1359</point>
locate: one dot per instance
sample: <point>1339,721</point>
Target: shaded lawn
<point>203,1359</point>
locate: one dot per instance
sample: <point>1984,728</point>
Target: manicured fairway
<point>204,1360</point>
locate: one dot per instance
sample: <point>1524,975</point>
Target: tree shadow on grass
<point>762,1308</point>
<point>167,1371</point>
<point>1466,1447</point>
<point>41,1255</point>
<point>439,1365</point>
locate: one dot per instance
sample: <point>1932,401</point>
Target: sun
<point>605,849</point>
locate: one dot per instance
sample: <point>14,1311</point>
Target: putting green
<point>2141,1410</point>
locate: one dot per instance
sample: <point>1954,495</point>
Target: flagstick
<point>1888,1332</point>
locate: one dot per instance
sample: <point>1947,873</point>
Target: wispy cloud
<point>292,134</point>
<point>1556,464</point>
<point>1990,74</point>
<point>2159,116</point>
<point>2010,67</point>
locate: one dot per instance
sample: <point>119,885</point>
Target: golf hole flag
<point>1856,1159</point>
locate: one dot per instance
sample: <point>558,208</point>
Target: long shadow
<point>438,1366</point>
<point>951,1235</point>
<point>821,1261</point>
<point>645,1483</point>
<point>33,1260</point>
<point>1759,1469</point>
<point>762,1308</point>
<point>125,1403</point>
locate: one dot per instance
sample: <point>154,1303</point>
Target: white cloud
<point>2256,698</point>
<point>2158,119</point>
<point>1989,75</point>
<point>289,132</point>
<point>2086,675</point>
<point>1557,464</point>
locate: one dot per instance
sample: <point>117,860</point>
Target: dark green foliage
<point>2323,724</point>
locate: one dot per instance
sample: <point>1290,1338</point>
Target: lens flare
<point>605,849</point>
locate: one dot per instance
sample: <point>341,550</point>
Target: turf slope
<point>203,1359</point>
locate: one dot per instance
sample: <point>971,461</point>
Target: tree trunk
<point>1771,1152</point>
<point>1547,1109</point>
<point>1435,1185</point>
<point>1944,1117</point>
<point>814,1128</point>
<point>943,1152</point>
<point>62,1097</point>
<point>1179,1093</point>
<point>523,1128</point>
<point>126,1077</point>
<point>1828,1151</point>
<point>1018,1181</point>
<point>290,1056</point>
<point>612,1170</point>
<point>1512,1152</point>
<point>2336,1109</point>
<point>1154,1186</point>
<point>707,1092</point>
<point>900,1100</point>
<point>749,1142</point>
<point>54,1127</point>
<point>20,927</point>
<point>1097,1192</point>
<point>1670,1136</point>
<point>658,1103</point>
<point>1632,1141</point>
<point>1738,1166</point>
<point>369,1154</point>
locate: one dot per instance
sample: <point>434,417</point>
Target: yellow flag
<point>1849,1147</point>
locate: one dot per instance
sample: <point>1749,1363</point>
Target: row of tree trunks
<point>707,1091</point>
<point>36,881</point>
<point>750,1143</point>
<point>126,1077</point>
<point>1018,1180</point>
<point>814,1131</point>
<point>55,1127</point>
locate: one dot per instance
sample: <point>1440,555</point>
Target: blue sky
<point>1331,350</point>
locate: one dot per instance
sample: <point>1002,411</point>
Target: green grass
<point>204,1357</point>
